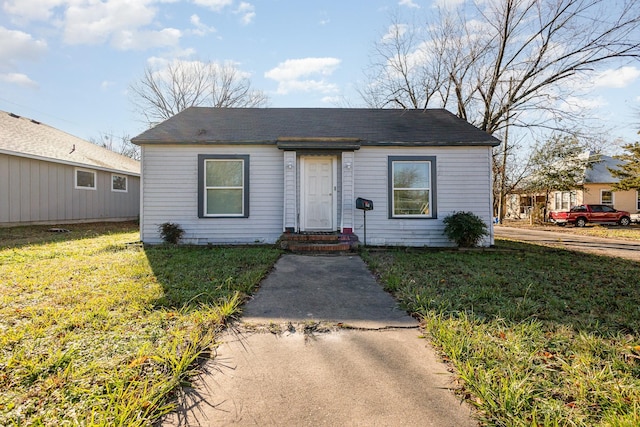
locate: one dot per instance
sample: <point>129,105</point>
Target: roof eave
<point>66,162</point>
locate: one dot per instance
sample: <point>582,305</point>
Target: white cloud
<point>408,3</point>
<point>215,5</point>
<point>119,22</point>
<point>139,40</point>
<point>18,79</point>
<point>448,3</point>
<point>333,100</point>
<point>617,78</point>
<point>106,85</point>
<point>300,75</point>
<point>295,68</point>
<point>247,12</point>
<point>31,10</point>
<point>321,86</point>
<point>18,45</point>
<point>395,31</point>
<point>576,104</point>
<point>200,28</point>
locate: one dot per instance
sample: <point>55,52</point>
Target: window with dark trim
<point>85,179</point>
<point>412,184</point>
<point>223,186</point>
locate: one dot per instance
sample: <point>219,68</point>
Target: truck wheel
<point>581,222</point>
<point>624,221</point>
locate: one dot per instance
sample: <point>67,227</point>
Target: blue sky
<point>69,63</point>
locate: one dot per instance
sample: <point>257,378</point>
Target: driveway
<point>628,249</point>
<point>322,344</point>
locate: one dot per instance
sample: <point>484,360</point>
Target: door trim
<point>334,192</point>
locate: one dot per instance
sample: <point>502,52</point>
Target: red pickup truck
<point>582,214</point>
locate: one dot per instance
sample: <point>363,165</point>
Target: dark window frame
<point>432,187</point>
<point>202,158</point>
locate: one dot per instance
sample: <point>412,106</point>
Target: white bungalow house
<point>50,177</point>
<point>243,176</point>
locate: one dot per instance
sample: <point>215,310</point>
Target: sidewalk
<point>321,344</point>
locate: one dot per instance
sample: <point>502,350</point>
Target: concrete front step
<point>318,242</point>
<point>319,247</point>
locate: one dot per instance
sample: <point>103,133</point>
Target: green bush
<point>465,228</point>
<point>170,232</point>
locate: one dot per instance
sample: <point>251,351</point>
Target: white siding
<point>39,192</point>
<point>463,184</point>
<point>170,180</point>
<point>347,195</point>
<point>290,191</point>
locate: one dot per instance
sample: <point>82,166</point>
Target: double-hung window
<point>606,197</point>
<point>412,183</point>
<point>565,200</point>
<point>223,184</point>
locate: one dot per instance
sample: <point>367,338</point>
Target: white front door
<point>318,194</point>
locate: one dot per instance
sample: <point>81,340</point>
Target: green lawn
<point>97,330</point>
<point>538,336</point>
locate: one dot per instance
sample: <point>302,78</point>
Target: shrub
<point>465,228</point>
<point>170,232</point>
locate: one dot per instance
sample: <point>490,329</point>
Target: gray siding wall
<point>463,184</point>
<point>36,191</point>
<point>170,194</point>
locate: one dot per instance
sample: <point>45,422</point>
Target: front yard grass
<point>538,336</point>
<point>97,330</point>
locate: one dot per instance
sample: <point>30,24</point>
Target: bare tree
<point>505,63</point>
<point>163,92</point>
<point>118,144</point>
<point>504,59</point>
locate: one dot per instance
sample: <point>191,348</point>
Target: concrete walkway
<point>321,344</point>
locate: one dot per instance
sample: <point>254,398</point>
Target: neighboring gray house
<point>249,175</point>
<point>50,177</point>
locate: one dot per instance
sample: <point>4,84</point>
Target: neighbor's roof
<point>20,136</point>
<point>599,173</point>
<point>202,125</point>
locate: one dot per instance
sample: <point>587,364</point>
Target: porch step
<point>318,242</point>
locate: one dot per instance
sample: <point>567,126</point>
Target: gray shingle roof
<point>599,173</point>
<point>202,125</point>
<point>24,137</point>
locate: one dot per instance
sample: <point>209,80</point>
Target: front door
<point>318,194</point>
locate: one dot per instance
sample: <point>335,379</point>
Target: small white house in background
<point>50,177</point>
<point>249,175</point>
